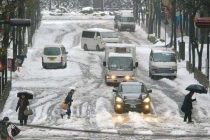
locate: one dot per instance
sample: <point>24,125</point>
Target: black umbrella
<point>196,88</point>
<point>26,94</point>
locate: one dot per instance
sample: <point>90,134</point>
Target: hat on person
<point>5,119</point>
<point>72,89</point>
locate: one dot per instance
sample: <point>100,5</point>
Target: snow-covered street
<point>92,107</point>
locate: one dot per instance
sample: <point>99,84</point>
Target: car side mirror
<point>104,63</point>
<point>136,64</point>
<point>114,90</point>
<point>149,91</point>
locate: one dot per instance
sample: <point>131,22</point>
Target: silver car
<point>132,96</point>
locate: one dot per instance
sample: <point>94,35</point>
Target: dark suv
<point>132,96</point>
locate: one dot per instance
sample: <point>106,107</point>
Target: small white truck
<point>126,21</point>
<point>119,63</point>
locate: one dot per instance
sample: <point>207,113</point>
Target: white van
<point>95,38</point>
<point>54,56</point>
<point>126,21</point>
<point>162,63</point>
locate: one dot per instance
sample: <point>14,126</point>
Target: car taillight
<point>61,59</point>
<point>42,59</point>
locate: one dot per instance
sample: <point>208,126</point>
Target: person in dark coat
<point>4,124</point>
<point>187,107</point>
<point>68,100</point>
<point>22,106</point>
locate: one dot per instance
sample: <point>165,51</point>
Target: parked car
<point>124,20</point>
<point>87,10</point>
<point>162,63</point>
<point>95,38</point>
<point>54,56</point>
<point>132,96</point>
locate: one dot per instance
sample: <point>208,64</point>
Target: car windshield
<point>132,89</point>
<point>127,19</point>
<point>120,63</point>
<point>164,57</point>
<point>109,35</point>
<point>52,51</point>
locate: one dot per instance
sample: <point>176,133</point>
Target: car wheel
<point>119,29</point>
<point>115,26</point>
<point>85,47</point>
<point>133,30</point>
<point>150,74</point>
<point>65,65</point>
<point>97,48</point>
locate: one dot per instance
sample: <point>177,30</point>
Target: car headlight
<point>119,100</point>
<point>127,77</point>
<point>146,100</point>
<point>110,77</point>
<point>113,77</point>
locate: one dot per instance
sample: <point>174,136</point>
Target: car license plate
<point>51,58</point>
<point>133,106</point>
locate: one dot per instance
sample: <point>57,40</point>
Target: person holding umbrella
<point>22,106</point>
<point>187,103</point>
<point>187,107</point>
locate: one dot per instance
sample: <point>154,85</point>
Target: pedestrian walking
<point>22,106</point>
<point>187,107</point>
<point>4,124</point>
<point>68,101</point>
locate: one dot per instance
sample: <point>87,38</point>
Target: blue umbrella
<point>196,88</point>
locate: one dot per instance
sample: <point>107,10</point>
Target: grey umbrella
<point>197,88</point>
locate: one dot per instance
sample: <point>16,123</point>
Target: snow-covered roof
<point>100,30</point>
<point>87,8</point>
<point>53,45</point>
<point>120,45</point>
<point>162,50</point>
<point>120,54</point>
<point>131,83</point>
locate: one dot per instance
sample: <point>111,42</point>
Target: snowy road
<point>92,108</point>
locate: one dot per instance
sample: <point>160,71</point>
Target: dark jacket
<point>68,99</point>
<point>22,105</point>
<point>187,104</point>
<point>3,129</point>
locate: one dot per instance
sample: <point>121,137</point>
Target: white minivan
<point>95,38</point>
<point>54,56</point>
<point>162,63</point>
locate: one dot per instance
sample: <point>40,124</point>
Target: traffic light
<point>202,22</point>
